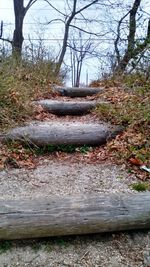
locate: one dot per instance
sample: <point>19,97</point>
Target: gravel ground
<point>113,250</point>
<point>51,177</point>
<point>130,249</point>
<point>56,178</point>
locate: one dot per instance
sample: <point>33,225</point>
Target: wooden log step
<point>73,215</point>
<point>57,133</point>
<point>67,108</point>
<point>77,91</point>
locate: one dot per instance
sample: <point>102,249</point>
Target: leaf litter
<point>127,148</point>
<point>122,249</point>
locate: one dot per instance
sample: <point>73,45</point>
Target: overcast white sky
<point>53,33</point>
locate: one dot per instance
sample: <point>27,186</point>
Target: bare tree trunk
<point>1,29</point>
<point>66,34</point>
<point>79,51</point>
<point>64,47</point>
<point>131,51</point>
<point>20,12</point>
<point>74,70</point>
<point>79,72</point>
<point>18,32</point>
<point>17,40</point>
<point>71,61</point>
<point>131,37</point>
<point>77,75</point>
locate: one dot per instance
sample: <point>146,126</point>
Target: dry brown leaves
<point>120,150</point>
<point>16,156</point>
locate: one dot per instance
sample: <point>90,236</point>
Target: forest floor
<point>114,167</point>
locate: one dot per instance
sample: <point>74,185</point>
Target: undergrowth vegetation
<point>62,148</point>
<point>29,149</point>
<point>129,105</point>
<point>19,84</point>
<point>140,187</point>
<point>5,245</point>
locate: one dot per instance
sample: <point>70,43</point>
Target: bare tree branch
<point>79,50</point>
<point>88,32</point>
<point>66,33</point>
<point>68,5</point>
<point>1,34</point>
<point>54,8</point>
<point>118,36</point>
<point>6,40</point>
<point>147,13</point>
<point>30,3</point>
<point>134,64</point>
<point>85,7</point>
<point>53,20</point>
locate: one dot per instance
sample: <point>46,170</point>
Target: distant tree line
<point>133,50</point>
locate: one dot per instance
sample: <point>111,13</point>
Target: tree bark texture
<point>68,21</point>
<point>67,108</point>
<point>75,133</point>
<point>77,91</point>
<point>74,215</point>
<point>17,42</point>
<point>133,49</point>
<point>129,54</point>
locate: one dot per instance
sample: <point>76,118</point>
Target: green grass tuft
<point>140,187</point>
<point>61,148</point>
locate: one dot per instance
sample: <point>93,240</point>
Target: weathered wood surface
<point>67,108</point>
<point>77,91</point>
<point>82,214</point>
<point>56,133</point>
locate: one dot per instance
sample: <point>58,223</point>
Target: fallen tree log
<point>82,214</point>
<point>67,108</point>
<point>56,133</point>
<point>77,91</point>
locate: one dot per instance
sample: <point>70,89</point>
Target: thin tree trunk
<point>131,51</point>
<point>77,75</point>
<point>17,42</point>
<point>66,33</point>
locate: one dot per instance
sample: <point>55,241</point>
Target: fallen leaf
<point>2,166</point>
<point>135,161</point>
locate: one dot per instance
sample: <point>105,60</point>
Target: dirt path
<point>107,250</point>
<point>66,176</point>
<point>61,178</point>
